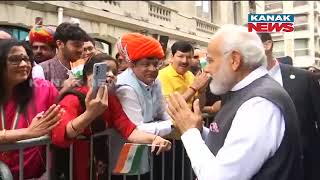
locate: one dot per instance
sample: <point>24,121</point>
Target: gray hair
<point>249,44</point>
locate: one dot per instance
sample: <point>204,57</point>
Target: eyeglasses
<point>16,59</point>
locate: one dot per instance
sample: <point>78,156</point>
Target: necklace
<point>68,70</point>
<point>3,118</point>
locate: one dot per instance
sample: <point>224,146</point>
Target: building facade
<point>106,21</point>
<point>303,45</point>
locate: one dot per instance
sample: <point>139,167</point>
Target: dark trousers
<point>311,160</point>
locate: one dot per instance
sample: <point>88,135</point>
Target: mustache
<point>184,64</point>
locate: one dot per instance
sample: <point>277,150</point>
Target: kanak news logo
<point>270,22</point>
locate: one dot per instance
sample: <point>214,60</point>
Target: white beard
<point>216,89</point>
<point>222,81</point>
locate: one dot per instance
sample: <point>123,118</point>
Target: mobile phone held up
<point>99,76</point>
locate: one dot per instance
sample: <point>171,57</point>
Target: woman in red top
<point>76,121</point>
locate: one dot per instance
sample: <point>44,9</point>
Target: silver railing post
<point>21,161</point>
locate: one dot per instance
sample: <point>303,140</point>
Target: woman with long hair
<point>26,107</point>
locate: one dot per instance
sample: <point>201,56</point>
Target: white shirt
<point>131,106</point>
<point>37,72</point>
<point>255,135</point>
<point>275,73</point>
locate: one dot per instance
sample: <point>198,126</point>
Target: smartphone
<point>99,76</point>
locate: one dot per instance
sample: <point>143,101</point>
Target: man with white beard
<point>255,135</point>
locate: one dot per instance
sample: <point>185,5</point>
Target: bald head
<point>4,35</point>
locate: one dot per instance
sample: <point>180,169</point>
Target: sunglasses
<point>17,59</point>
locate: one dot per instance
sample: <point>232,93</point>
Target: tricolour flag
<point>130,159</point>
<point>77,68</point>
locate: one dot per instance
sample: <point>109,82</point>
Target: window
<point>237,12</point>
<point>114,3</point>
<point>103,46</point>
<point>272,5</point>
<point>252,6</point>
<point>278,48</point>
<point>301,18</point>
<point>159,12</point>
<point>301,47</point>
<point>17,32</point>
<point>317,47</point>
<point>301,22</point>
<point>204,10</point>
<point>299,3</point>
<point>78,2</point>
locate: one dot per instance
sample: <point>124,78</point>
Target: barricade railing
<point>45,140</point>
<point>21,145</point>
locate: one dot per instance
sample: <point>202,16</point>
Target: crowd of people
<point>266,113</point>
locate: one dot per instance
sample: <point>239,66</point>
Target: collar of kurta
<point>275,68</point>
<point>256,74</point>
<point>143,85</point>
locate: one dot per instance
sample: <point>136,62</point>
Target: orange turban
<point>42,34</point>
<point>135,46</point>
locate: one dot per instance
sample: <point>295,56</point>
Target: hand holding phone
<point>95,106</point>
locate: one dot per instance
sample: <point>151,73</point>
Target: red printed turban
<point>135,46</point>
<point>42,34</point>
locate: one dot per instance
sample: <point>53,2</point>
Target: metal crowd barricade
<point>45,140</point>
<point>21,145</point>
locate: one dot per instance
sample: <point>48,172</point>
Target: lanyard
<point>3,118</point>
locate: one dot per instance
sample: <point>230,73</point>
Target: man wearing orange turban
<point>135,46</point>
<point>139,90</point>
<point>41,40</point>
